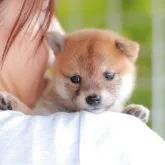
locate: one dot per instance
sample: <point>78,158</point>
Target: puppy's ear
<point>128,48</point>
<point>56,41</point>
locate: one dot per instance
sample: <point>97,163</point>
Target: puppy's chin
<point>96,111</point>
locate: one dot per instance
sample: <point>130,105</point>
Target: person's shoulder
<point>112,118</point>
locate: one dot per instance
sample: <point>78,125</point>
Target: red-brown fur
<point>86,53</point>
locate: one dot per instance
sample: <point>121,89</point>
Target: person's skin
<point>24,67</point>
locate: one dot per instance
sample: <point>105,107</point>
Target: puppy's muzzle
<point>93,100</point>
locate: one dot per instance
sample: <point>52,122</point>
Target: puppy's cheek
<point>114,88</point>
<point>108,97</point>
<point>80,102</point>
<point>61,89</point>
<point>126,86</point>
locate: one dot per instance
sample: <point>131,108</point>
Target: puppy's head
<point>93,70</point>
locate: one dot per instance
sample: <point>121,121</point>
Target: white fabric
<point>78,139</point>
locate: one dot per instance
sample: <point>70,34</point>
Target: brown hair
<point>29,7</point>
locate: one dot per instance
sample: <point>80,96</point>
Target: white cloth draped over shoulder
<point>80,138</point>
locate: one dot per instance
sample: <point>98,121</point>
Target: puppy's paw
<point>138,111</point>
<point>7,102</point>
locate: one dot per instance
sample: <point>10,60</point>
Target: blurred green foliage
<point>136,24</point>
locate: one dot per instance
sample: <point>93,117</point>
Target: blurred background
<point>142,21</point>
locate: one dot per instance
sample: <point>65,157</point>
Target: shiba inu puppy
<point>94,71</point>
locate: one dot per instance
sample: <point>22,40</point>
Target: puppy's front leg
<point>138,111</point>
<point>10,102</point>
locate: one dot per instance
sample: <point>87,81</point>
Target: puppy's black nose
<point>93,100</point>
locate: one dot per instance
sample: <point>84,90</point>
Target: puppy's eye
<point>75,79</point>
<point>109,75</point>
